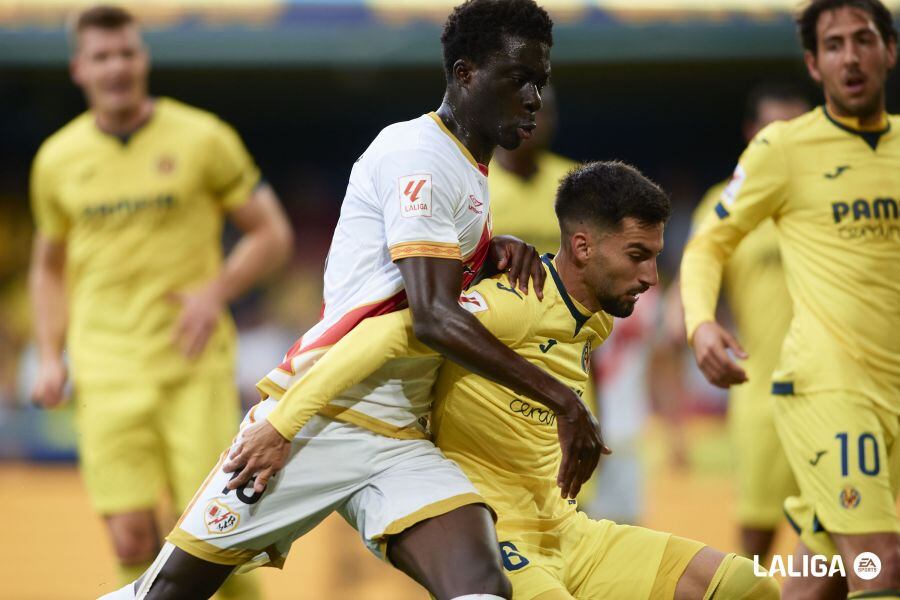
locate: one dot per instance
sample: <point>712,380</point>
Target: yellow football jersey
<point>525,208</point>
<point>831,190</point>
<point>505,443</point>
<point>141,218</point>
<point>754,277</point>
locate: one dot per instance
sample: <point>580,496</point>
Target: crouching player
<point>611,220</point>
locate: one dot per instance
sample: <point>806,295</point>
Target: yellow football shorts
<point>136,440</point>
<point>841,447</point>
<point>585,558</point>
<point>762,472</point>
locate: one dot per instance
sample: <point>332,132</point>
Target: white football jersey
<point>416,191</point>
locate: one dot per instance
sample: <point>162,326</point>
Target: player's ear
<point>812,66</point>
<point>892,54</point>
<point>582,247</point>
<point>462,72</point>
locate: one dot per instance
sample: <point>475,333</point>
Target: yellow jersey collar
<point>579,312</point>
<point>871,134</point>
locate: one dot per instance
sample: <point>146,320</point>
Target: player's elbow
<point>282,236</point>
<point>431,325</point>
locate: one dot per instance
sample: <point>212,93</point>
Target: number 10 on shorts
<point>866,453</point>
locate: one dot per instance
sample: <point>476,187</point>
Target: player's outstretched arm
<point>264,447</point>
<point>47,289</point>
<point>439,322</point>
<point>265,244</point>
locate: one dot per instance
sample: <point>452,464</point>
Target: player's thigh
<point>197,419</point>
<point>764,476</point>
<point>119,446</point>
<point>535,565</point>
<point>840,447</point>
<point>245,527</point>
<point>607,560</point>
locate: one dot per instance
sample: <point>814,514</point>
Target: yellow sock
<point>735,580</point>
<point>873,594</point>
<point>129,573</point>
<point>240,587</point>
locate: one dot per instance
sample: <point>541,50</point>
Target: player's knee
<point>735,579</point>
<point>135,539</point>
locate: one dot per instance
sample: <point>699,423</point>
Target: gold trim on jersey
<point>432,510</point>
<point>370,423</point>
<point>266,388</point>
<point>440,123</point>
<point>428,249</point>
<point>208,552</point>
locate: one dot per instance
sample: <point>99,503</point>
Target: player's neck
<point>522,164</point>
<point>123,123</point>
<point>465,131</point>
<point>572,279</point>
<point>876,120</point>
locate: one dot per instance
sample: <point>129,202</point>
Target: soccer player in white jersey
<point>415,224</point>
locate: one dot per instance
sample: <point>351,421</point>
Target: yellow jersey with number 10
<point>141,218</point>
<point>832,190</point>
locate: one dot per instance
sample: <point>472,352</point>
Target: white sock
<point>125,593</point>
<point>478,597</point>
<point>151,573</point>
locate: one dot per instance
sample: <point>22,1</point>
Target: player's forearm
<point>701,278</point>
<point>264,246</point>
<point>49,306</point>
<point>357,355</point>
<point>460,337</point>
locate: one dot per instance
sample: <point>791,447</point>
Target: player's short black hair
<point>101,16</point>
<point>808,19</point>
<point>785,91</point>
<point>476,28</point>
<point>606,192</point>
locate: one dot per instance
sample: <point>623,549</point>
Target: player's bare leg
<point>812,588</point>
<point>183,576</point>
<point>757,542</point>
<point>452,555</point>
<point>714,575</point>
<point>886,546</point>
<point>135,540</point>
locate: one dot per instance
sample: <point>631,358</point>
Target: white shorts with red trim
<point>380,485</point>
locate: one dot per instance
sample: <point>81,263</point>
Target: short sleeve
<point>503,310</point>
<point>231,173</point>
<point>49,216</point>
<point>419,199</point>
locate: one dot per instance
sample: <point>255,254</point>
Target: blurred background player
<point>754,277</point>
<point>127,276</point>
<point>829,180</point>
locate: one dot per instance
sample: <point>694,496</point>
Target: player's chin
<point>620,308</point>
<point>510,140</point>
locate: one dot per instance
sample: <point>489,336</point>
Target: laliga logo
<point>866,566</point>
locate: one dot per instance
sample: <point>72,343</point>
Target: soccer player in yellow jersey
<point>612,221</point>
<point>127,276</point>
<point>830,182</point>
<point>523,183</point>
<point>754,277</point>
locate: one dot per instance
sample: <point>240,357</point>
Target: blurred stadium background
<point>658,83</point>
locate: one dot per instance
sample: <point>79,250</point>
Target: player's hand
<point>521,261</point>
<point>261,451</point>
<point>200,313</point>
<point>49,390</point>
<point>711,345</point>
<point>582,445</point>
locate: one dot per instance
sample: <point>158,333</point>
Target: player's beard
<point>617,307</point>
<point>870,107</point>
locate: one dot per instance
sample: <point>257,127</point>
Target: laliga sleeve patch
<point>473,302</point>
<point>734,186</point>
<point>415,195</point>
